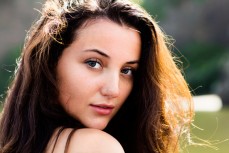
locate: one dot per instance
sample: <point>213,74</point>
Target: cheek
<point>67,87</point>
<point>71,96</point>
<point>64,94</point>
<point>70,89</point>
<point>75,85</point>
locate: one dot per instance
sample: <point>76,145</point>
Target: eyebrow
<point>107,56</point>
<point>133,62</point>
<point>98,51</point>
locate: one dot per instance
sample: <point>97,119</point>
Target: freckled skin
<point>87,77</point>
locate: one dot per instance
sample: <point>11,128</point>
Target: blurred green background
<point>201,31</point>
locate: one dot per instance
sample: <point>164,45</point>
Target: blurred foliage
<point>158,8</point>
<point>202,65</point>
<point>7,68</point>
<point>202,59</point>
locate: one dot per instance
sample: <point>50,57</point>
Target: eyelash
<point>131,70</point>
<point>92,63</point>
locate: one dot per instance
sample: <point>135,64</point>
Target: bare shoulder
<point>94,141</point>
<point>85,140</point>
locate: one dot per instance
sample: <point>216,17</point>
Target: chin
<point>99,126</point>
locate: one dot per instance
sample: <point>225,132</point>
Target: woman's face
<point>95,73</point>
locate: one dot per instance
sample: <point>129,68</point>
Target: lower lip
<point>101,111</point>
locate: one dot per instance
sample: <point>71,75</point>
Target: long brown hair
<point>156,113</point>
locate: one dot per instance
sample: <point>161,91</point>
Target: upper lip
<point>108,106</point>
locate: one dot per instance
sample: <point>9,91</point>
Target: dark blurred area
<point>16,17</point>
<point>201,32</point>
<point>200,28</point>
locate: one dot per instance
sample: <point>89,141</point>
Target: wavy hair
<point>153,118</point>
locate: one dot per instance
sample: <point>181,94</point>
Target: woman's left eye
<point>127,71</point>
<point>93,63</point>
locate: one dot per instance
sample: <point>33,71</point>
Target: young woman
<point>95,76</point>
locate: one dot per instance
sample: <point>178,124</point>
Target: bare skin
<point>85,141</point>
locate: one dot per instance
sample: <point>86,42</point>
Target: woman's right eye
<point>94,63</point>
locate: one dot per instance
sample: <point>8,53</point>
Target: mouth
<point>102,109</point>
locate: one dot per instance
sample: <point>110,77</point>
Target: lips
<point>102,109</point>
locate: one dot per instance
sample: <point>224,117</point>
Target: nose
<point>110,87</point>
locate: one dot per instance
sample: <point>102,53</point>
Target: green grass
<point>215,129</point>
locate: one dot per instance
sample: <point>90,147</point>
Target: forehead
<point>103,21</point>
<point>104,26</point>
<point>106,35</point>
